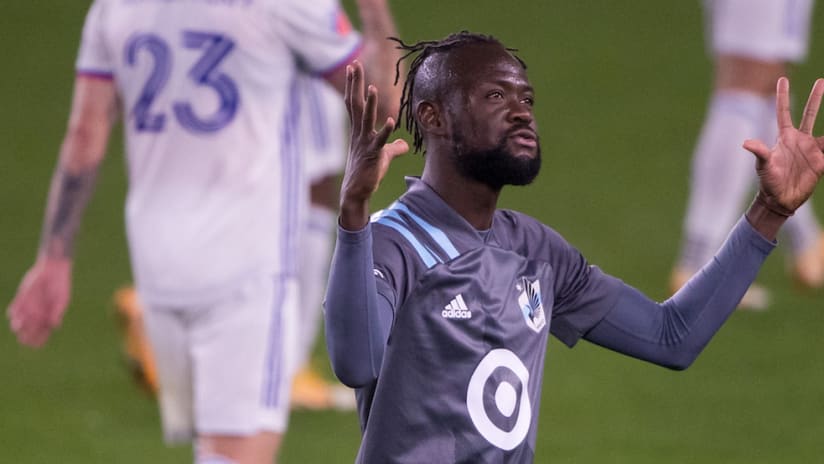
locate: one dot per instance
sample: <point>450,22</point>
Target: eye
<point>495,94</point>
<point>529,101</point>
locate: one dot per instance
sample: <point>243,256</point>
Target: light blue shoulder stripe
<point>391,219</point>
<point>437,234</point>
<point>389,214</point>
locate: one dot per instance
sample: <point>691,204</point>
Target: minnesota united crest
<point>531,305</point>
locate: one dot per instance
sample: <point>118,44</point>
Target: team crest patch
<point>531,305</point>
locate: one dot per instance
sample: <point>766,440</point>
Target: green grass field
<point>621,91</point>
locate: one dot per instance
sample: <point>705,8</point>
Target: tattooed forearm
<point>70,192</point>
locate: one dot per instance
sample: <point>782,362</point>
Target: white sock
<point>722,175</point>
<point>315,256</point>
<point>802,229</point>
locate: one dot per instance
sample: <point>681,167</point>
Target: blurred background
<point>621,92</point>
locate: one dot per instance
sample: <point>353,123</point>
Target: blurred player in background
<point>752,42</point>
<point>439,308</point>
<point>322,141</point>
<point>216,188</point>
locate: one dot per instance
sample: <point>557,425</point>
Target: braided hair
<point>425,49</point>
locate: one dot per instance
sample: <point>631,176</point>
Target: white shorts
<point>226,369</point>
<point>768,30</point>
<point>323,138</point>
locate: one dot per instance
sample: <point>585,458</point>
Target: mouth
<point>524,137</point>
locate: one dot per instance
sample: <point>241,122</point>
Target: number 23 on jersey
<point>214,48</point>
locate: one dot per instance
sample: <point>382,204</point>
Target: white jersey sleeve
<point>319,34</point>
<point>94,57</point>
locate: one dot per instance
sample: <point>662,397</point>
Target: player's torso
<point>461,377</point>
<point>208,109</point>
<point>201,82</point>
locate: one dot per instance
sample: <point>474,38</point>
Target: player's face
<point>494,132</point>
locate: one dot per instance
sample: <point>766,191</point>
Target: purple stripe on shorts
<point>274,354</point>
<point>292,195</point>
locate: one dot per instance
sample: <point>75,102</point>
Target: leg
<point>241,349</point>
<point>751,42</point>
<point>723,173</point>
<point>258,448</point>
<point>168,334</point>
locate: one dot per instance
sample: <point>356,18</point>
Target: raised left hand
<point>789,172</point>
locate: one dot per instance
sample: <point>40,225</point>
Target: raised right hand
<point>369,154</point>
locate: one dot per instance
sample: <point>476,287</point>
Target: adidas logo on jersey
<point>456,309</point>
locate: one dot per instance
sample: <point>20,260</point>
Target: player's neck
<point>474,201</point>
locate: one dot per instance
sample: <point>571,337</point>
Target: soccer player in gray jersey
<point>439,309</point>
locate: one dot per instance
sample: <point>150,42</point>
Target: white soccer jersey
<point>208,95</point>
<point>322,122</point>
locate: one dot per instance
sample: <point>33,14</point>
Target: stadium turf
<point>621,89</point>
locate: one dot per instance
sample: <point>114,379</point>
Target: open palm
<point>789,172</point>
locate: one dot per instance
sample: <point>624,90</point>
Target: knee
<point>747,74</point>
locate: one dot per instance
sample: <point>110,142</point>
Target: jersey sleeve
<point>94,58</point>
<point>673,333</point>
<point>319,34</point>
<point>397,267</point>
<point>584,294</point>
<point>357,318</point>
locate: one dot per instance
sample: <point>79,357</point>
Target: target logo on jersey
<point>497,399</point>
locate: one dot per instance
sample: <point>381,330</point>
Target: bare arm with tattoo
<point>43,295</point>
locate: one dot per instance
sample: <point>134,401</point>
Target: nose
<point>521,112</point>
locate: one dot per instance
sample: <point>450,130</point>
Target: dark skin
<point>484,93</point>
<point>482,110</point>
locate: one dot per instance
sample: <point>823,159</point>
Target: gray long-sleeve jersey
<point>443,329</point>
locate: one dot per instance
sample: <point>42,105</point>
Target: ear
<point>430,118</point>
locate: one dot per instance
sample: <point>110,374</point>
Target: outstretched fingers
<point>757,148</point>
<point>354,95</point>
<point>782,104</point>
<point>383,135</point>
<point>370,111</point>
<point>811,108</point>
<point>396,148</point>
<point>347,93</point>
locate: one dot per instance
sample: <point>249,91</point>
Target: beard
<point>496,166</point>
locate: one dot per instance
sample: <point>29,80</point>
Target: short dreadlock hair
<point>425,49</point>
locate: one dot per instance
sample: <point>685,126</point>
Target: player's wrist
<point>766,215</point>
<point>354,213</point>
<point>772,204</point>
